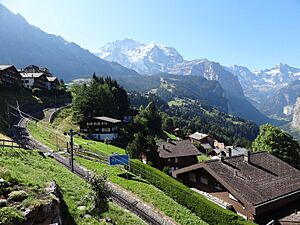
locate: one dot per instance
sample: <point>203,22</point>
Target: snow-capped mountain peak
<point>144,58</point>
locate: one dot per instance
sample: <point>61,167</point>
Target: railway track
<point>119,196</point>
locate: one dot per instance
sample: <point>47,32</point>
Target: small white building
<point>30,80</point>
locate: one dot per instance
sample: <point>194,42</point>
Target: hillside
<point>282,102</point>
<point>31,172</point>
<point>273,91</point>
<point>10,96</point>
<point>23,44</point>
<point>157,58</point>
<point>141,185</point>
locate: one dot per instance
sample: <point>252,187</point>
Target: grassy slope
<point>142,188</point>
<point>145,191</point>
<point>34,171</point>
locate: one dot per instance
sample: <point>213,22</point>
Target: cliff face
<point>296,117</point>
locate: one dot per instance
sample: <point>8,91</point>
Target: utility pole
<point>71,146</point>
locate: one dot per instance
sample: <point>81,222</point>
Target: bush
<point>100,193</point>
<point>36,92</point>
<point>206,210</point>
<point>10,216</point>
<point>17,196</point>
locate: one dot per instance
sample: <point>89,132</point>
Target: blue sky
<point>254,33</point>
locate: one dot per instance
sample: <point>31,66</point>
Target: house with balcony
<point>257,186</point>
<point>9,75</point>
<point>101,128</point>
<point>34,80</point>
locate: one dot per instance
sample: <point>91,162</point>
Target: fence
<point>8,143</point>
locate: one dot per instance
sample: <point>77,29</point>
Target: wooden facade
<point>177,154</point>
<point>9,75</point>
<point>101,128</point>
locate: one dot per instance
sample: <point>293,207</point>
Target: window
<point>204,180</point>
<point>27,81</point>
<point>97,129</point>
<point>192,177</point>
<point>176,160</point>
<point>104,123</point>
<point>106,129</point>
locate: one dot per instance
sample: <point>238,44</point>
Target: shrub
<point>36,92</point>
<point>17,196</point>
<point>100,192</point>
<point>199,205</point>
<point>10,216</point>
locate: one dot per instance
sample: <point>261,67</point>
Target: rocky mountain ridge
<point>296,117</point>
<point>23,44</point>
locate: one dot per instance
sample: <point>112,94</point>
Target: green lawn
<point>98,147</point>
<point>35,172</point>
<point>145,191</point>
<point>47,136</point>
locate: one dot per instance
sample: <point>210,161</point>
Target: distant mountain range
<point>23,44</point>
<point>260,87</point>
<point>157,58</point>
<point>273,91</point>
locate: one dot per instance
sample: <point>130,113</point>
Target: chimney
<point>222,157</point>
<point>247,156</point>
<point>168,140</point>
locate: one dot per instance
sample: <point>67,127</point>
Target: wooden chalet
<point>257,186</point>
<point>177,154</point>
<point>34,76</point>
<point>52,83</point>
<point>32,80</point>
<point>9,75</point>
<point>101,128</point>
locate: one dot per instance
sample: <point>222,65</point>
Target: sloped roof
<point>262,179</point>
<point>51,79</point>
<point>198,136</point>
<point>206,146</point>
<point>31,75</point>
<point>107,119</point>
<point>4,67</point>
<point>179,148</point>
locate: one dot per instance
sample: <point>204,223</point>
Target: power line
<point>139,168</point>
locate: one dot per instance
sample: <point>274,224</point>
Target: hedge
<point>206,210</point>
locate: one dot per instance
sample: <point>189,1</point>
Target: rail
<point>9,144</point>
<point>83,173</point>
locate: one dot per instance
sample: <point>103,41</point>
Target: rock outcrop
<point>296,117</point>
<point>47,213</point>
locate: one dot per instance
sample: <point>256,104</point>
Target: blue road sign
<point>118,160</point>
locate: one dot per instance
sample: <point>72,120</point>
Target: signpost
<point>118,160</point>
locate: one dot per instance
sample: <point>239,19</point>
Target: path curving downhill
<point>120,196</point>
